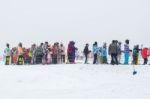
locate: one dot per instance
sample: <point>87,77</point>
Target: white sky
<point>84,21</point>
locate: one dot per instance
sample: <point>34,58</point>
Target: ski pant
<point>114,59</point>
<point>104,59</point>
<point>126,58</point>
<point>95,59</point>
<point>86,58</point>
<point>145,61</point>
<point>135,60</point>
<point>54,59</point>
<point>39,59</point>
<point>7,60</point>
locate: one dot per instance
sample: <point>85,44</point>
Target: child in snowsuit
<point>7,55</point>
<point>135,54</point>
<point>95,52</point>
<point>104,54</point>
<point>20,54</point>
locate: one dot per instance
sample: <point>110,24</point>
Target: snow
<point>74,81</point>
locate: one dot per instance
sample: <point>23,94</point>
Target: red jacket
<point>144,52</point>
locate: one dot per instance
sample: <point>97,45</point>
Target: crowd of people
<point>56,53</point>
<point>115,50</point>
<point>42,54</point>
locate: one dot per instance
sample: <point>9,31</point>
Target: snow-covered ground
<point>77,81</point>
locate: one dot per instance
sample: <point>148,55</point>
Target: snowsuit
<point>119,54</point>
<point>71,52</point>
<point>145,55</point>
<point>62,48</point>
<point>20,56</point>
<point>135,55</point>
<point>104,55</point>
<point>113,50</point>
<point>126,54</point>
<point>39,55</point>
<point>7,56</point>
<point>95,52</point>
<point>86,52</point>
<point>54,54</point>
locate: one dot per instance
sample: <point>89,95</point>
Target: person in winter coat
<point>45,53</point>
<point>71,52</point>
<point>95,52</point>
<point>14,55</point>
<point>20,54</point>
<point>86,53</point>
<point>145,55</point>
<point>32,51</point>
<point>126,52</point>
<point>119,52</point>
<point>55,53</point>
<point>62,49</point>
<point>7,55</point>
<point>49,56</point>
<point>39,54</point>
<point>113,51</point>
<point>135,54</point>
<point>104,54</point>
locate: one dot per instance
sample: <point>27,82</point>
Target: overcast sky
<point>30,21</point>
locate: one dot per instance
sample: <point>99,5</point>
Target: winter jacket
<point>104,52</point>
<point>20,51</point>
<point>126,49</point>
<point>7,52</point>
<point>86,50</point>
<point>119,50</point>
<point>95,49</point>
<point>144,52</point>
<point>62,50</point>
<point>113,49</point>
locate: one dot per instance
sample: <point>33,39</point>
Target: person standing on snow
<point>86,53</point>
<point>95,52</point>
<point>62,48</point>
<point>126,52</point>
<point>113,51</point>
<point>135,54</point>
<point>7,55</point>
<point>119,52</point>
<point>145,55</point>
<point>104,53</point>
<point>20,54</point>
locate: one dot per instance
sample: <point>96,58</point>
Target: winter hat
<point>127,41</point>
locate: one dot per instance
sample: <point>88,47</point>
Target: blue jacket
<point>104,52</point>
<point>95,49</point>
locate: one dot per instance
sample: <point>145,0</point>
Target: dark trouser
<point>95,59</point>
<point>54,59</point>
<point>104,59</point>
<point>62,58</point>
<point>86,58</point>
<point>39,59</point>
<point>7,60</point>
<point>145,61</point>
<point>114,59</point>
<point>135,60</point>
